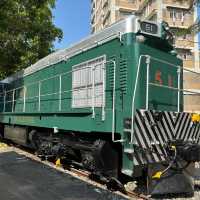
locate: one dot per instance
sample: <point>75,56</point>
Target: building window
<point>88,82</point>
<point>177,14</point>
<point>171,14</point>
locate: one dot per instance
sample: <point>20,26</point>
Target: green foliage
<point>27,33</point>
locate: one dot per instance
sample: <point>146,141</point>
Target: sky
<point>73,17</point>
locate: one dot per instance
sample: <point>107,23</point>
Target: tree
<point>27,33</point>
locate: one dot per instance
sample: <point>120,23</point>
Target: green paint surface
<point>126,54</point>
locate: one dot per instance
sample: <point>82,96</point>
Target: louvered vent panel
<point>123,75</point>
<point>110,70</point>
<point>109,80</point>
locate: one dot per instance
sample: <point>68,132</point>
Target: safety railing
<point>59,77</point>
<point>39,84</point>
<point>148,59</point>
<point>113,103</point>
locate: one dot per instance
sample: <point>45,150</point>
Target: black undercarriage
<point>93,152</point>
<point>97,154</point>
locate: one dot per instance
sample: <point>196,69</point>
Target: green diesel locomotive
<point>112,104</point>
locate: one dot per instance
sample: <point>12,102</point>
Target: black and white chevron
<point>153,130</point>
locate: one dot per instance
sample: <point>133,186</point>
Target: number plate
<point>149,28</point>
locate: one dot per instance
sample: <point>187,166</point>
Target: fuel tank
<point>17,134</point>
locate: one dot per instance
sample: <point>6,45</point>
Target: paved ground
<point>22,178</point>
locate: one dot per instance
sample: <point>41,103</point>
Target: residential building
<point>192,102</point>
<point>106,12</point>
<point>179,17</point>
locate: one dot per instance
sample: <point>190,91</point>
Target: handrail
<point>179,80</point>
<point>39,95</point>
<point>66,91</point>
<point>43,95</point>
<point>147,81</point>
<point>178,89</point>
<point>93,92</point>
<point>134,95</point>
<point>4,102</point>
<point>113,106</point>
<point>24,107</point>
<point>173,88</point>
<point>191,71</point>
<point>177,66</point>
<point>113,103</point>
<point>13,99</point>
<point>163,61</point>
<point>51,77</point>
<point>104,93</point>
<point>39,83</point>
<point>60,93</point>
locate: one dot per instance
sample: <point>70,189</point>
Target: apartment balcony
<point>178,23</point>
<point>179,20</point>
<point>188,63</point>
<point>191,81</point>
<point>184,44</point>
<point>191,101</point>
<point>125,5</point>
<point>176,4</point>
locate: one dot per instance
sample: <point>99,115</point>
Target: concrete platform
<point>22,178</point>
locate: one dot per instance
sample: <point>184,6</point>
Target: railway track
<point>78,173</point>
<point>128,193</point>
<point>84,175</point>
